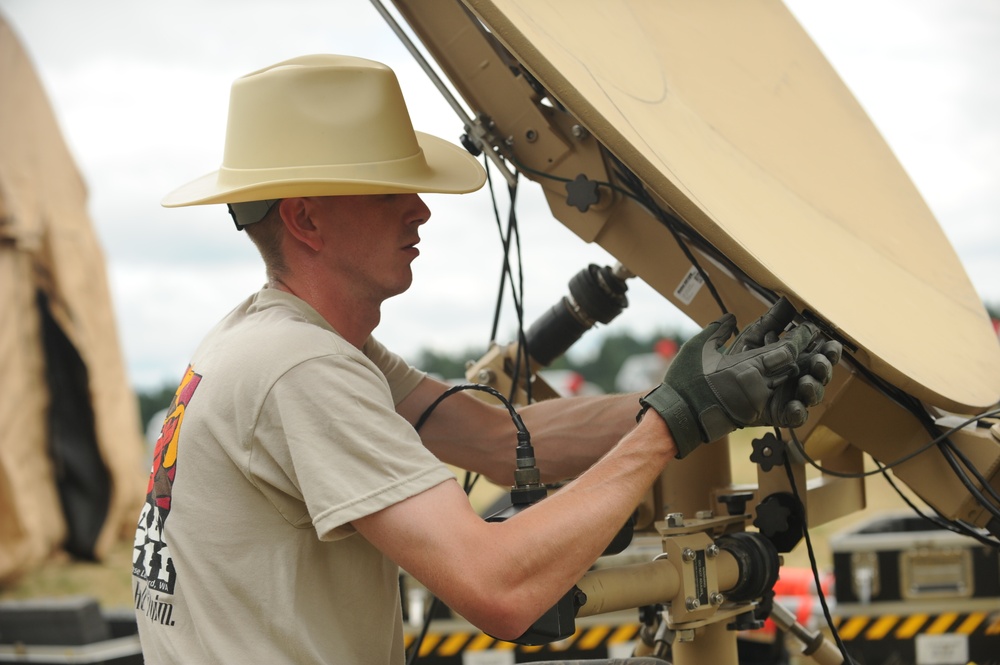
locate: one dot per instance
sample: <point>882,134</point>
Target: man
<point>289,483</point>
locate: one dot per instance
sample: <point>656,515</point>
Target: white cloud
<point>141,92</point>
<point>925,72</point>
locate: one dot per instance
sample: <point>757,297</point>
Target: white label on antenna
<point>689,286</point>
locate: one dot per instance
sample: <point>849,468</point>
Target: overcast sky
<point>141,91</point>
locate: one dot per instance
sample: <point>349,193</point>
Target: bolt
<point>717,599</point>
<point>712,551</point>
<point>687,554</point>
<point>579,131</point>
<point>704,514</point>
<point>675,519</point>
<point>485,376</point>
<point>692,603</point>
<point>531,135</point>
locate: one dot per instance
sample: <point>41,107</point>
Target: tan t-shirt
<point>280,435</point>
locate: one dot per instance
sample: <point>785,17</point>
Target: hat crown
<point>326,125</point>
<point>317,111</point>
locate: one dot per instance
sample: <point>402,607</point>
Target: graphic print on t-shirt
<point>151,560</point>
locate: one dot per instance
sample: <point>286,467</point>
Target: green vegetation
<point>616,349</point>
<point>154,400</point>
<point>600,369</point>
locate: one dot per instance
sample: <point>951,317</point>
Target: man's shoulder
<point>266,336</point>
<point>281,323</point>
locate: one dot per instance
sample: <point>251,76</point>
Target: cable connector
<point>528,487</point>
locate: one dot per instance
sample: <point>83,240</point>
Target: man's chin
<point>402,287</point>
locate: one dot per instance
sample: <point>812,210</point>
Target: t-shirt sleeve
<point>401,376</point>
<point>329,431</point>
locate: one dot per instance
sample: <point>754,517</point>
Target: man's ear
<point>297,217</point>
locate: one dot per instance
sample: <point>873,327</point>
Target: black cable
<point>812,563</point>
<point>677,227</point>
<point>505,267</point>
<point>856,475</point>
<point>521,429</point>
<point>942,441</point>
<point>900,397</point>
<point>882,468</point>
<point>967,463</point>
<point>514,415</point>
<point>890,465</point>
<point>949,456</point>
<point>516,287</point>
<point>940,521</point>
<point>417,643</point>
<point>548,176</point>
<point>955,458</point>
<point>948,450</point>
<point>674,225</point>
<point>682,232</point>
<point>522,353</point>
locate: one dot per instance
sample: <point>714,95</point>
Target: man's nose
<point>420,213</point>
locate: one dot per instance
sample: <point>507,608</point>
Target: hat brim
<point>449,170</point>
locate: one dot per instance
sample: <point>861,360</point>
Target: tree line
<point>600,369</point>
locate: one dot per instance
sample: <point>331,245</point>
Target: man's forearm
<point>570,434</point>
<point>558,539</point>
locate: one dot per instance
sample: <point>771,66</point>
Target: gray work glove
<point>762,379</point>
<point>815,362</point>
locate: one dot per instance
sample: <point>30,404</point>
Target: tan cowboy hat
<point>323,125</point>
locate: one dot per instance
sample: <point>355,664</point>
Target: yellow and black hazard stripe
<point>587,642</point>
<point>906,627</point>
<point>893,637</point>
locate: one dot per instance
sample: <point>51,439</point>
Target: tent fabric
<point>71,443</point>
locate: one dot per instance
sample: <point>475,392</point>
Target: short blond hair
<point>267,236</point>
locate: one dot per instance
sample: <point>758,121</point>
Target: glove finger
<point>802,336</point>
<point>809,391</point>
<point>818,366</point>
<point>777,364</point>
<point>771,337</point>
<point>833,351</point>
<point>793,414</point>
<point>725,326</point>
<point>772,322</point>
<point>751,337</point>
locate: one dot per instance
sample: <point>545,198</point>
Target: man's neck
<point>353,317</point>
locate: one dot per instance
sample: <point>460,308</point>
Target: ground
<point>108,580</point>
